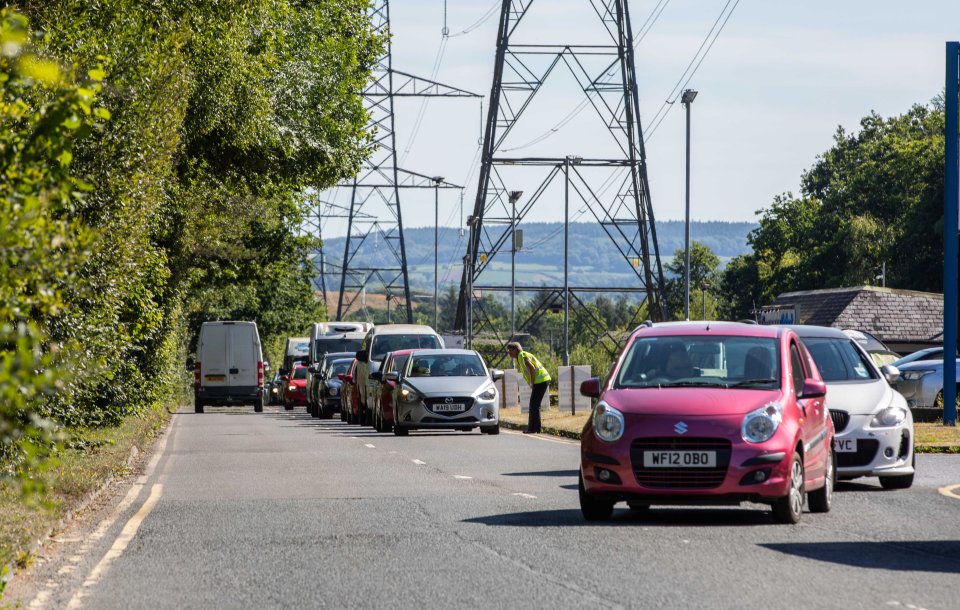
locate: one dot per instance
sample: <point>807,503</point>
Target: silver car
<point>451,389</point>
<point>921,382</point>
<point>874,426</point>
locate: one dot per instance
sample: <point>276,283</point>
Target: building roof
<point>892,315</point>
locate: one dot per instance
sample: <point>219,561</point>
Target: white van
<point>329,338</point>
<point>381,340</point>
<point>229,366</point>
<point>298,349</point>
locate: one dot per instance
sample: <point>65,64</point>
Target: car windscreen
<point>384,344</point>
<point>327,345</point>
<point>838,359</point>
<point>724,361</point>
<point>300,372</point>
<point>338,367</point>
<point>446,365</point>
<point>398,363</point>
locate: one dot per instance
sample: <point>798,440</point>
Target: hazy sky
<point>779,80</point>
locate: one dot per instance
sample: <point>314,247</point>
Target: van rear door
<point>243,355</point>
<point>213,351</point>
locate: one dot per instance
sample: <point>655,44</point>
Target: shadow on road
<point>662,517</point>
<point>939,556</point>
<point>544,473</point>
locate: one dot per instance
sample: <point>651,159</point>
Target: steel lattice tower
<point>607,76</point>
<point>373,213</point>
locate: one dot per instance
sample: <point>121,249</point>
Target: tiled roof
<point>889,313</point>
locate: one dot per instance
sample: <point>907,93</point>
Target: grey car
<point>873,426</point>
<point>921,383</point>
<point>450,389</point>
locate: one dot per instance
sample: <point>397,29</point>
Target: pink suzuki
<point>708,413</point>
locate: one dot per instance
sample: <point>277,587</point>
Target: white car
<point>874,427</point>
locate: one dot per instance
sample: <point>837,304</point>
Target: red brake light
<point>259,374</point>
<point>196,374</point>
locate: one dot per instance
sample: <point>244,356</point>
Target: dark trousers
<point>536,397</point>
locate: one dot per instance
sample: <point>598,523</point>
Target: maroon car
<point>709,413</point>
<point>383,401</point>
<point>349,396</point>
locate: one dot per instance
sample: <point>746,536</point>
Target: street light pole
<point>687,99</point>
<point>513,196</point>
<point>436,255</point>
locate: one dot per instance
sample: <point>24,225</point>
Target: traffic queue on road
<point>690,413</point>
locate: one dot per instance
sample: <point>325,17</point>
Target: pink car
<point>709,413</point>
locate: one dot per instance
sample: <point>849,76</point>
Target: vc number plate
<point>679,459</point>
<point>845,445</point>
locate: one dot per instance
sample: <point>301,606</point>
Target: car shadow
<point>938,556</point>
<point>857,486</point>
<point>657,517</point>
<point>544,473</point>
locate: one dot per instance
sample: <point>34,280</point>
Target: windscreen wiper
<point>747,382</point>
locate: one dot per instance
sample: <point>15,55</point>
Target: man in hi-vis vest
<point>536,377</point>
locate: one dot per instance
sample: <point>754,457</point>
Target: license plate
<point>454,407</point>
<point>215,377</point>
<point>679,459</point>
<point>845,445</point>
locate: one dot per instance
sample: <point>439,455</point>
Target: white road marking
<point>418,462</point>
<point>371,446</point>
<point>528,496</point>
<point>549,439</point>
<point>897,604</point>
<point>951,491</point>
<point>119,546</point>
<point>461,476</point>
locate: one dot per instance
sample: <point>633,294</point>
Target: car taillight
<point>259,374</point>
<point>196,375</point>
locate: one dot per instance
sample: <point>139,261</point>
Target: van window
<point>384,344</point>
<point>330,345</point>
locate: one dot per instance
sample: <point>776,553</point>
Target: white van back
<point>229,365</point>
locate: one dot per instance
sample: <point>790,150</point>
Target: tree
<point>704,272</point>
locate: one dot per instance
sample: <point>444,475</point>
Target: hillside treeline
<point>153,158</point>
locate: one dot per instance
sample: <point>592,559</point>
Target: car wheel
<point>198,407</point>
<point>316,411</point>
<point>789,508</point>
<point>400,431</point>
<point>594,509</point>
<point>377,425</point>
<point>938,401</point>
<point>490,429</point>
<point>343,416</point>
<point>900,482</point>
<point>287,406</point>
<point>822,499</point>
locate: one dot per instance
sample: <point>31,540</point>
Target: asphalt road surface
<point>278,510</point>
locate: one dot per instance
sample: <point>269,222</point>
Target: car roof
<point>399,329</point>
<point>337,355</point>
<point>810,330</point>
<point>404,352</point>
<point>669,329</point>
<point>445,352</point>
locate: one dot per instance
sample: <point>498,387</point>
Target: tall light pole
<point>514,196</point>
<point>436,254</point>
<point>687,99</point>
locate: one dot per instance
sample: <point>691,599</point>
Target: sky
<point>779,80</point>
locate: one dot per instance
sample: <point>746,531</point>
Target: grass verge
<point>76,474</point>
<point>930,438</point>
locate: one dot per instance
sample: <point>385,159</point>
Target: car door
<point>813,411</point>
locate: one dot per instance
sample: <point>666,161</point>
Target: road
<point>278,510</point>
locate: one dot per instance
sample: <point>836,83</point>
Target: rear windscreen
<point>300,372</point>
<point>327,345</point>
<point>384,344</point>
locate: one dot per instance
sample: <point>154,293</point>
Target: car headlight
<point>607,423</point>
<point>915,375</point>
<point>758,426</point>
<point>488,394</point>
<point>891,416</point>
<point>334,391</point>
<point>291,388</point>
<point>408,395</point>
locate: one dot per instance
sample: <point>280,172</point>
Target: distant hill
<point>593,258</point>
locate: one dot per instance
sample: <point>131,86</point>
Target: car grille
<point>676,478</point>
<point>866,451</point>
<point>431,403</point>
<point>840,420</point>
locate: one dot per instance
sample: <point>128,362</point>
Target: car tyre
<point>490,429</point>
<point>198,407</point>
<point>400,431</point>
<point>938,401</point>
<point>287,406</point>
<point>821,500</point>
<point>594,509</point>
<point>789,508</point>
<point>899,482</point>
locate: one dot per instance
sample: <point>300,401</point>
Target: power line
<point>486,17</point>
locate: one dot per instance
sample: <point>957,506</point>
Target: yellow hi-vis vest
<point>542,374</point>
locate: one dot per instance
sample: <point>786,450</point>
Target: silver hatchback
<point>446,388</point>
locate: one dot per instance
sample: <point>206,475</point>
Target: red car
<point>349,396</point>
<point>709,413</point>
<point>383,401</point>
<point>295,387</point>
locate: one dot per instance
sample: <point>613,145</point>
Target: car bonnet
<point>448,386</point>
<point>689,401</point>
<point>858,397</point>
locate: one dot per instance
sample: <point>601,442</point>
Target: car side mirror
<point>496,374</point>
<point>284,373</point>
<point>813,388</point>
<point>344,377</point>
<point>391,376</point>
<point>890,372</point>
<point>376,375</point>
<point>314,369</point>
<point>591,387</point>
<point>191,364</point>
<point>363,356</point>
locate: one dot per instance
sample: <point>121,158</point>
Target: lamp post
<point>436,255</point>
<point>687,99</point>
<point>514,196</point>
